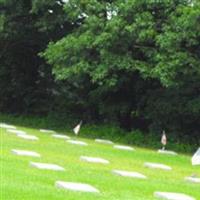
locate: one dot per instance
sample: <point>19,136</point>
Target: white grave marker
<point>94,160</point>
<point>167,152</point>
<point>192,179</point>
<point>172,196</point>
<point>16,131</point>
<point>46,131</point>
<point>103,141</point>
<point>196,158</point>
<point>25,153</point>
<point>157,166</point>
<point>76,186</point>
<point>123,147</point>
<point>59,136</point>
<point>129,174</point>
<point>7,126</point>
<point>28,137</point>
<point>81,143</point>
<point>47,166</point>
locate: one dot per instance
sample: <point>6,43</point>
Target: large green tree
<point>140,58</point>
<point>123,36</point>
<point>178,68</point>
<point>114,46</point>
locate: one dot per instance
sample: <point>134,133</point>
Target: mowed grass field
<point>19,181</point>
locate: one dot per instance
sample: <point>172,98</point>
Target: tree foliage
<point>131,36</point>
<point>25,79</point>
<point>142,58</point>
<point>133,62</point>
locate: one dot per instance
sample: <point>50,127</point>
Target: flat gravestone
<point>76,186</point>
<point>123,147</point>
<point>196,158</point>
<point>59,136</point>
<point>25,153</point>
<point>46,131</point>
<point>81,143</point>
<point>16,131</point>
<point>94,160</point>
<point>172,196</point>
<point>103,141</point>
<point>28,137</point>
<point>46,166</point>
<point>192,179</point>
<point>129,174</point>
<point>157,166</point>
<point>7,126</point>
<point>167,152</point>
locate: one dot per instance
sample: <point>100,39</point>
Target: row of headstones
<point>80,186</point>
<point>86,187</point>
<point>23,134</point>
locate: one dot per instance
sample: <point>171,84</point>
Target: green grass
<point>109,131</point>
<point>19,181</point>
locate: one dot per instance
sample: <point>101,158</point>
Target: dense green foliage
<point>26,28</point>
<point>135,63</point>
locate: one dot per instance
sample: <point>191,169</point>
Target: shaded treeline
<point>134,63</point>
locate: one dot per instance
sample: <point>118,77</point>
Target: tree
<point>26,27</point>
<point>178,59</point>
<point>116,48</point>
<point>178,68</point>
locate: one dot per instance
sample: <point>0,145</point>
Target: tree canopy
<point>135,62</point>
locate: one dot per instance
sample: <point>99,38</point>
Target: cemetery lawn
<point>19,181</point>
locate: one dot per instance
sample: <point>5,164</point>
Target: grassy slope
<point>21,182</point>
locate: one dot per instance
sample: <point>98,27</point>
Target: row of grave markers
<point>22,134</point>
<point>88,188</point>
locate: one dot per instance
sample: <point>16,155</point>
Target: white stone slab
<point>103,141</point>
<point>192,179</point>
<point>172,196</point>
<point>196,158</point>
<point>76,186</point>
<point>123,147</point>
<point>47,166</point>
<point>25,153</point>
<point>129,174</point>
<point>167,152</point>
<point>16,131</point>
<point>157,166</point>
<point>81,143</point>
<point>7,126</point>
<point>27,137</point>
<point>94,160</point>
<point>59,136</point>
<point>46,131</point>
